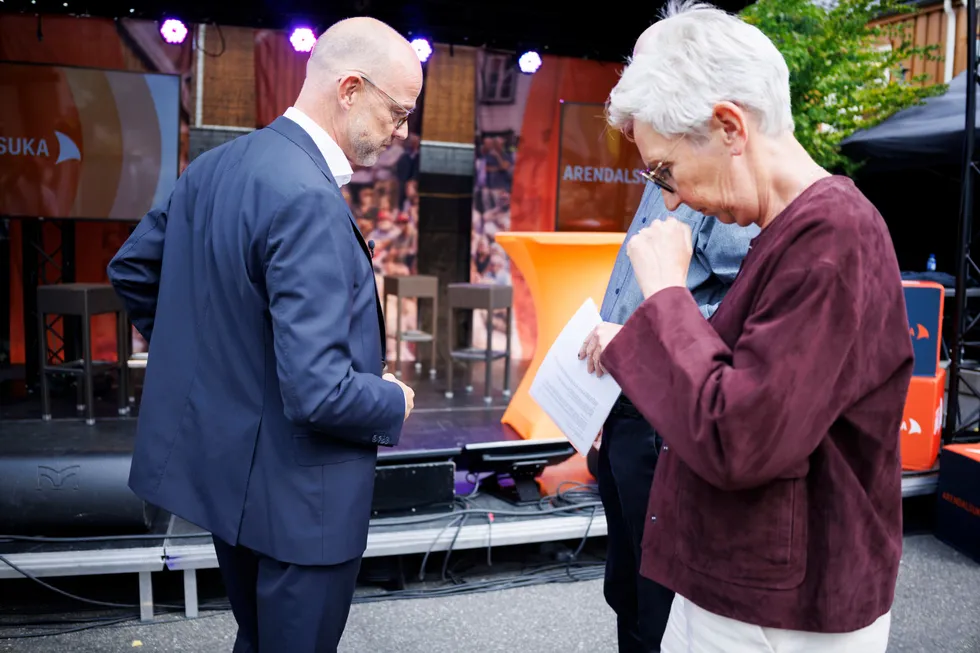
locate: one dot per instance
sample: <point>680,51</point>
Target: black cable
<point>559,573</point>
<point>489,517</point>
<point>77,629</point>
<point>223,45</point>
<point>99,538</point>
<point>449,551</point>
<point>552,573</point>
<point>585,536</point>
<point>37,580</point>
<point>435,540</point>
<point>108,604</point>
<point>108,623</point>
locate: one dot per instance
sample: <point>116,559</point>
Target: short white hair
<point>694,58</point>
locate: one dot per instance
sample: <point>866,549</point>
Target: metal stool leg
<point>87,363</point>
<point>449,358</point>
<point>45,387</point>
<point>507,357</point>
<point>122,365</point>
<point>435,331</point>
<point>469,368</point>
<point>79,395</point>
<point>398,335</point>
<point>488,374</point>
<point>418,327</point>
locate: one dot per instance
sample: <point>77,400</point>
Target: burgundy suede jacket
<point>777,497</point>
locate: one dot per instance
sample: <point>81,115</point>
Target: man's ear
<point>348,87</point>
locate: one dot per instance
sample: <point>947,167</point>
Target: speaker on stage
<point>63,479</point>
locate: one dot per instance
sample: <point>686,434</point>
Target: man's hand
<point>408,392</point>
<point>661,255</point>
<point>594,345</point>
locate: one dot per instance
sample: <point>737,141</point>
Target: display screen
<point>599,182</point>
<point>86,143</point>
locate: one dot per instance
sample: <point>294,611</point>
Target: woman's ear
<point>731,121</point>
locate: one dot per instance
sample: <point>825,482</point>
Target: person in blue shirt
<point>629,448</point>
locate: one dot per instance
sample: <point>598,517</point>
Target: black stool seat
<point>82,300</point>
<point>488,297</point>
<point>418,286</point>
<point>78,299</point>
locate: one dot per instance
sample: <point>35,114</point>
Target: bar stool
<point>490,298</point>
<point>83,300</point>
<point>418,286</point>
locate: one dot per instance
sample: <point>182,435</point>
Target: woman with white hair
<point>775,512</point>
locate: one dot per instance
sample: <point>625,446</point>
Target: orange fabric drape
<point>533,192</point>
<point>279,74</point>
<point>64,40</point>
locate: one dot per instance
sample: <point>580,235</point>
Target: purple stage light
<point>173,31</point>
<point>529,62</point>
<point>422,48</point>
<point>303,39</point>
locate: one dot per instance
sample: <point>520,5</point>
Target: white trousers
<point>691,629</point>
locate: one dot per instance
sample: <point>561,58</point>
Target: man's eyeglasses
<point>398,113</point>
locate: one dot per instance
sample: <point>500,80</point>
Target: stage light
<point>529,62</point>
<point>303,39</point>
<point>173,31</point>
<point>422,48</point>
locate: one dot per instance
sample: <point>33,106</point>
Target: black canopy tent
<point>928,135</point>
<point>923,144</point>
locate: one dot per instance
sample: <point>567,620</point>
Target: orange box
<point>922,422</point>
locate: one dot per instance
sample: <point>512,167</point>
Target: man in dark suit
<point>265,400</point>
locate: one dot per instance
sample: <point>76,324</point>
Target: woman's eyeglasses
<point>657,177</point>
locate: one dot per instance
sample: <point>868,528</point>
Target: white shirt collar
<point>332,154</point>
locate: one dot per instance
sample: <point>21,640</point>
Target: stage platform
<point>570,511</point>
<point>478,520</point>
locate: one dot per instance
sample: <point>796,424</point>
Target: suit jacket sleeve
<point>743,416</point>
<point>308,270</point>
<point>135,269</point>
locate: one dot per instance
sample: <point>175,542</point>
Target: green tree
<point>841,78</point>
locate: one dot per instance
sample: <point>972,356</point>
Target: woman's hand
<point>661,255</point>
<point>598,339</point>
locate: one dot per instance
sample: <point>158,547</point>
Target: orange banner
<point>599,183</point>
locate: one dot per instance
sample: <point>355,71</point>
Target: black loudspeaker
<point>61,481</point>
<point>412,484</point>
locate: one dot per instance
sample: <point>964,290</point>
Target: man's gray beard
<point>365,154</point>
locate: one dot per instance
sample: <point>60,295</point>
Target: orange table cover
<point>562,270</point>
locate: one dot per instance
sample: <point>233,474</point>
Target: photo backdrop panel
<point>518,141</point>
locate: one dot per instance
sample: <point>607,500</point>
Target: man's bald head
<point>362,82</point>
<point>366,45</point>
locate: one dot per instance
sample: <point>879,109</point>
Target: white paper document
<point>578,402</point>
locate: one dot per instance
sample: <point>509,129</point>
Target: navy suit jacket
<point>263,404</point>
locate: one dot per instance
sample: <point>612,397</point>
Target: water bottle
<point>931,263</point>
